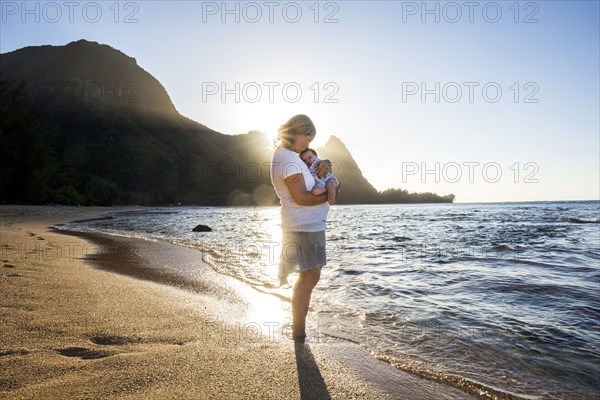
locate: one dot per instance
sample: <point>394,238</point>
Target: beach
<point>76,324</point>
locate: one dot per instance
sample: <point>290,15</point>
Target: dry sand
<point>72,331</point>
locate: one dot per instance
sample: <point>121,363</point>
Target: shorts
<point>300,252</point>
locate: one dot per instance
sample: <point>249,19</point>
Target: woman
<point>303,216</point>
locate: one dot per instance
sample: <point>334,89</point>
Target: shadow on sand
<point>312,385</point>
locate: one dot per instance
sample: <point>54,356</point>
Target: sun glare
<point>263,117</point>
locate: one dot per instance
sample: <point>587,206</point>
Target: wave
<point>81,221</point>
<point>584,220</point>
<point>502,248</point>
<point>400,239</point>
<point>476,388</point>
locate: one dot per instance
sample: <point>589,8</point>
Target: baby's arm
<point>324,167</point>
<point>318,191</point>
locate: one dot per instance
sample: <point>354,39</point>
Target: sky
<point>490,101</point>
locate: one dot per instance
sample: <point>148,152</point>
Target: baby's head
<point>308,156</point>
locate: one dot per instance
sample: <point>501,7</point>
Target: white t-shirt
<point>294,217</point>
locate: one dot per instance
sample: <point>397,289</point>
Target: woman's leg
<point>301,299</point>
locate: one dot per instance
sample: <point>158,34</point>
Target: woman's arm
<point>297,188</point>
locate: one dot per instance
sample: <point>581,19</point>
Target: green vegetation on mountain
<point>84,124</point>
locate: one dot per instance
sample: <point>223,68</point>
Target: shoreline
<point>144,313</point>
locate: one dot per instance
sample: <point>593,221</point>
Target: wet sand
<point>97,316</point>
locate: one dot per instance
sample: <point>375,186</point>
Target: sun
<point>267,117</point>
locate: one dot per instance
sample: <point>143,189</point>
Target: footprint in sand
<point>109,340</point>
<point>84,353</point>
<point>112,340</point>
<point>11,352</point>
<point>9,384</point>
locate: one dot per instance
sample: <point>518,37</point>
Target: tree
<point>23,156</point>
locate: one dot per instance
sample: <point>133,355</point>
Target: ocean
<point>500,299</point>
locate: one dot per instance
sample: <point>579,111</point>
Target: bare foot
<point>298,334</point>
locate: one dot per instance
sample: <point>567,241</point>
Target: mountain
<point>355,186</point>
<point>86,74</point>
<point>85,124</point>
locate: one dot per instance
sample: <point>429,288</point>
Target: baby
<point>326,184</point>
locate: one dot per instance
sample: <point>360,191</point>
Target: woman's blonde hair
<point>297,125</point>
